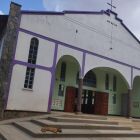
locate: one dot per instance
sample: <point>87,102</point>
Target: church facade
<point>74,61</point>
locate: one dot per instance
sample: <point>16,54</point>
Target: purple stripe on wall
<point>53,78</point>
<point>76,48</point>
<point>31,65</point>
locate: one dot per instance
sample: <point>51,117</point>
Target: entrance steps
<point>9,132</point>
<point>81,120</point>
<point>77,127</point>
<point>67,125</point>
<point>85,116</point>
<point>34,131</point>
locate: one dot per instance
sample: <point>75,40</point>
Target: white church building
<point>75,61</point>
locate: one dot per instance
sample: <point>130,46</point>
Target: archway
<point>105,92</point>
<point>65,90</point>
<point>135,104</point>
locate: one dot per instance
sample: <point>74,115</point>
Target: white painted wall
<point>135,74</point>
<point>95,62</point>
<point>45,50</point>
<point>68,51</point>
<point>30,100</point>
<point>93,34</point>
<point>36,99</point>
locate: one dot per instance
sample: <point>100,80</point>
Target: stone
<point>8,51</point>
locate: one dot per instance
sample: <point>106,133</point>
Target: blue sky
<point>128,10</point>
<point>26,4</point>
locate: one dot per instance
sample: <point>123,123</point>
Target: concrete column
<point>79,99</point>
<point>9,45</point>
<point>129,102</point>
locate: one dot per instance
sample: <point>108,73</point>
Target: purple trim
<point>121,21</point>
<point>60,13</point>
<point>11,68</point>
<point>42,12</point>
<point>135,68</point>
<point>130,32</point>
<point>83,64</point>
<point>53,78</point>
<point>50,39</point>
<point>83,12</point>
<point>33,12</point>
<point>31,65</point>
<point>76,48</point>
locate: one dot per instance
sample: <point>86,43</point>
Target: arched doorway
<point>65,90</point>
<point>89,82</point>
<point>105,91</point>
<point>135,106</point>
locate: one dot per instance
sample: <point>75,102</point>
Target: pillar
<point>79,99</point>
<point>9,45</point>
<point>129,103</point>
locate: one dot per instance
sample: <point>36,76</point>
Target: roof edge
<point>61,12</point>
<point>16,4</point>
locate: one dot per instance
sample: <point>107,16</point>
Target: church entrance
<point>88,101</point>
<point>104,92</point>
<point>64,93</point>
<point>94,102</point>
<point>102,89</point>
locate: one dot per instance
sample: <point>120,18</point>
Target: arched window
<point>30,72</point>
<point>90,79</point>
<point>114,83</point>
<point>33,51</point>
<point>107,82</point>
<point>63,71</point>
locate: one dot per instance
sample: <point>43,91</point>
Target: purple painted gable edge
<point>52,78</point>
<point>107,12</point>
<point>121,21</point>
<point>41,12</point>
<point>130,32</point>
<point>60,13</point>
<point>76,48</point>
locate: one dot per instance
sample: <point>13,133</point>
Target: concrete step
<point>64,125</point>
<point>9,132</point>
<point>85,116</point>
<point>136,120</point>
<point>12,133</point>
<point>34,131</point>
<point>80,120</point>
